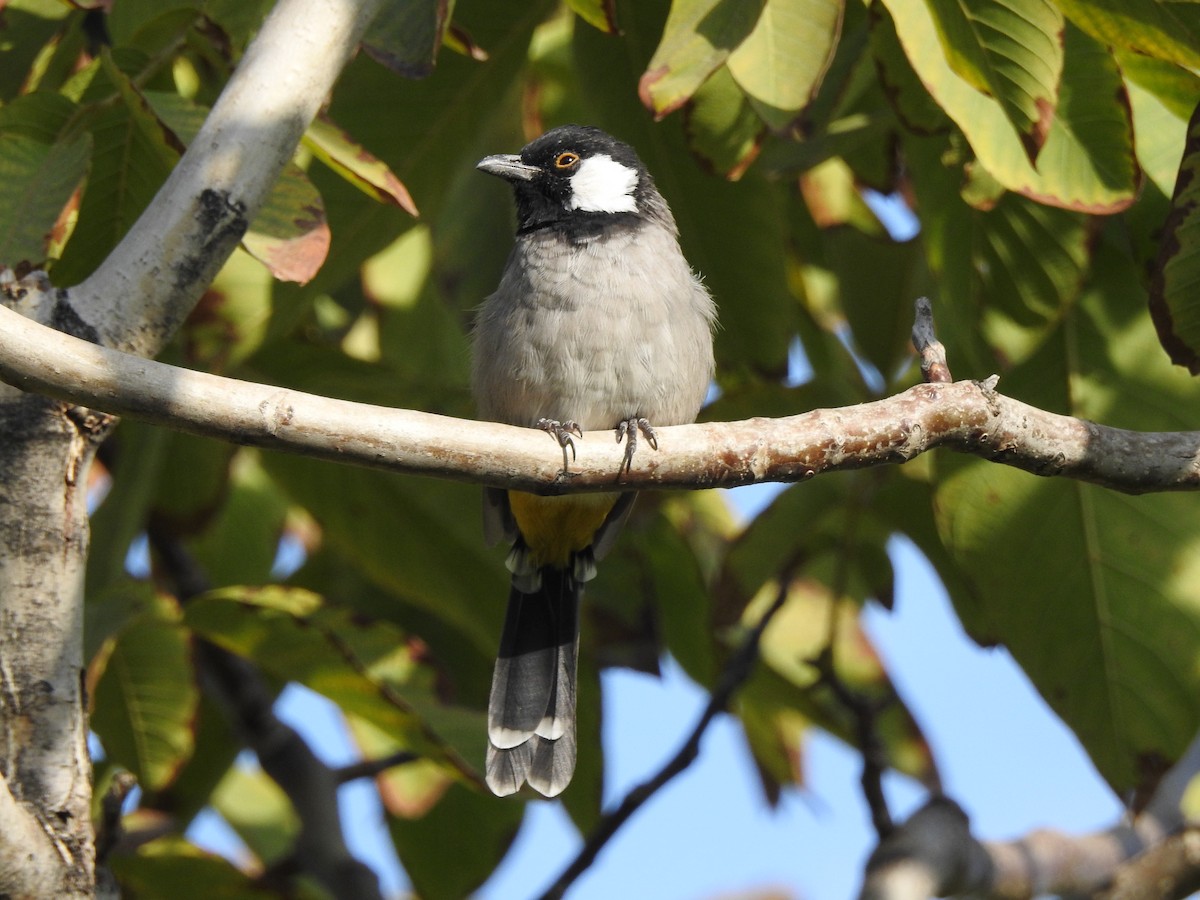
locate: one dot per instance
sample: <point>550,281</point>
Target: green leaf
<point>108,612</point>
<point>1174,301</point>
<point>426,816</point>
<point>431,848</point>
<point>781,63</point>
<point>259,811</point>
<point>37,183</point>
<point>698,37</point>
<point>1163,97</point>
<point>1031,261</point>
<point>909,98</point>
<point>351,160</point>
<point>445,126</point>
<point>192,482</point>
<point>405,37</point>
<point>1169,31</point>
<point>418,537</point>
<point>145,701</point>
<point>734,235</point>
<point>28,29</point>
<point>42,116</point>
<point>230,322</point>
<point>785,693</point>
<point>600,14</point>
<point>1007,273</point>
<point>722,128</point>
<point>878,300</point>
<point>171,867</point>
<point>1087,162</point>
<point>1011,50</point>
<point>241,543</point>
<point>369,669</point>
<point>1110,640</point>
<point>133,154</point>
<point>130,21</point>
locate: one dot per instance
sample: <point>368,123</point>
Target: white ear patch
<point>603,185</point>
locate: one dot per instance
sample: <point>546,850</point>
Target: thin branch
<point>965,416</point>
<point>932,354</point>
<point>864,713</point>
<point>736,671</point>
<point>369,768</point>
<point>109,831</point>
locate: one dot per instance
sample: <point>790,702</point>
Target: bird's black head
<point>579,178</point>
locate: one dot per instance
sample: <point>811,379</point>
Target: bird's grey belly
<point>594,336</point>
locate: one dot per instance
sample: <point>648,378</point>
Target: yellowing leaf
<point>350,159</point>
<point>1087,162</point>
<point>1168,31</point>
<point>145,702</point>
<point>781,62</point>
<point>698,37</point>
<point>1011,50</point>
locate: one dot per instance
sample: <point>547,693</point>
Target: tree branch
<point>935,854</point>
<point>150,282</point>
<point>30,855</point>
<point>369,768</point>
<point>965,416</point>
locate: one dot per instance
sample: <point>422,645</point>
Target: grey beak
<point>507,166</point>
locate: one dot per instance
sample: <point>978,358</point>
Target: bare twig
<point>934,367</point>
<point>369,768</point>
<point>109,831</point>
<point>864,713</point>
<point>736,671</point>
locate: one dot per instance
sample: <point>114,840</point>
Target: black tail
<point>531,713</point>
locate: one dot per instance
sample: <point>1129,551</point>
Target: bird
<point>598,322</point>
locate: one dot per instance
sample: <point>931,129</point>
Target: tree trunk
<point>45,776</point>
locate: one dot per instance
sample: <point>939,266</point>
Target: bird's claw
<point>564,433</point>
<point>627,430</point>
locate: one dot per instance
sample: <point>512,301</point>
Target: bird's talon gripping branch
<point>562,432</point>
<point>628,430</point>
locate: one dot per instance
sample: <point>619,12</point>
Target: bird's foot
<point>627,430</point>
<point>564,433</point>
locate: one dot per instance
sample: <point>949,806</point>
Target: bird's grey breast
<point>595,330</point>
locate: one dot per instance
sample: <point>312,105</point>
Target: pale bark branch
<point>964,416</point>
<point>935,854</point>
<point>150,282</point>
<point>30,854</point>
<point>134,301</point>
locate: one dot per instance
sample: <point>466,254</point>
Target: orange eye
<point>566,160</point>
